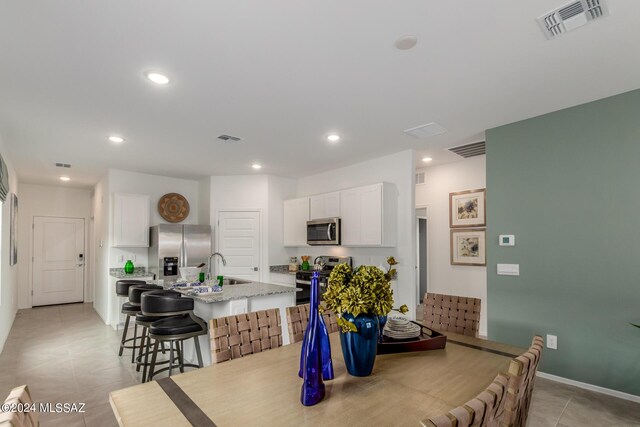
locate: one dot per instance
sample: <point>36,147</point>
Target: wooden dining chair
<point>480,411</point>
<point>19,396</point>
<point>522,374</point>
<point>244,334</point>
<point>471,414</point>
<point>450,313</point>
<point>494,398</point>
<point>298,318</point>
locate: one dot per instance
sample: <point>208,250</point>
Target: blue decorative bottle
<point>325,345</point>
<point>312,390</point>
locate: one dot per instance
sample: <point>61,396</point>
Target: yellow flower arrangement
<point>367,289</point>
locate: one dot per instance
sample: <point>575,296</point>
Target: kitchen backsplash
<point>119,256</point>
<point>279,268</point>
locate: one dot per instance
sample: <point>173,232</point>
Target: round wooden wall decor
<point>173,207</point>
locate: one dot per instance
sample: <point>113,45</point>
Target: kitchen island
<point>237,299</point>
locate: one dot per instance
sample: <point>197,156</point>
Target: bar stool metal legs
<point>125,340</point>
<point>179,344</point>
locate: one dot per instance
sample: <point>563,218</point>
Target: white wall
<point>280,189</point>
<point>100,248</point>
<point>51,201</point>
<point>243,192</point>
<point>443,277</point>
<point>8,274</point>
<point>204,201</point>
<point>263,193</point>
<point>398,169</point>
<point>154,186</point>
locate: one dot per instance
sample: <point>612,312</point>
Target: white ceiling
<point>282,74</point>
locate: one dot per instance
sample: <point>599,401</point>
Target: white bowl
<point>190,274</point>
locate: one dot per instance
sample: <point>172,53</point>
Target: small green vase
<point>128,267</point>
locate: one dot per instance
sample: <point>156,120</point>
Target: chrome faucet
<point>224,261</point>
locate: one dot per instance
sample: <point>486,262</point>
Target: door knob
<point>255,268</point>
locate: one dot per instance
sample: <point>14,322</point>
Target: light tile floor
<point>66,354</point>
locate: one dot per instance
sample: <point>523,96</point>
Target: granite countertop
<point>239,291</point>
<point>119,273</point>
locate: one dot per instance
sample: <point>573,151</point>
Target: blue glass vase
<point>382,320</point>
<point>311,358</point>
<point>359,348</point>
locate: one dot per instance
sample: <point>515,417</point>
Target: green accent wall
<point>567,184</point>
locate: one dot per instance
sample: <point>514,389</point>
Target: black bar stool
<point>178,324</point>
<point>122,290</point>
<point>135,298</point>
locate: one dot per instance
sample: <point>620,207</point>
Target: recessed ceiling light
<point>65,178</point>
<point>426,159</point>
<point>256,166</point>
<point>406,42</point>
<point>116,139</point>
<point>333,137</point>
<point>157,78</point>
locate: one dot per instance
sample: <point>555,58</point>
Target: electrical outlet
<point>133,257</point>
<point>120,258</point>
<point>552,342</point>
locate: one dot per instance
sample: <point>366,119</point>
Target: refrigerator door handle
<point>183,250</point>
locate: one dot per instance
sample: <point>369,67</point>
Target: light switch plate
<point>552,342</point>
<point>508,269</point>
<point>507,240</point>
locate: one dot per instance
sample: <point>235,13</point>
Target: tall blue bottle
<point>312,390</point>
<point>325,345</point>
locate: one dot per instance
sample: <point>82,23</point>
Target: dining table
<point>264,389</point>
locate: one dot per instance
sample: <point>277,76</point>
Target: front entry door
<point>58,260</point>
<point>239,242</point>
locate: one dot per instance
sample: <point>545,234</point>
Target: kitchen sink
<point>236,281</point>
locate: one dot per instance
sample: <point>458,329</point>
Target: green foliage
<point>367,289</point>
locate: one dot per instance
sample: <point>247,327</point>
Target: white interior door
<point>239,241</point>
<point>58,260</point>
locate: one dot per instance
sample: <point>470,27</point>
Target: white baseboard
<point>591,387</point>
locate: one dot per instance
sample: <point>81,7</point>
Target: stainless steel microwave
<point>324,231</point>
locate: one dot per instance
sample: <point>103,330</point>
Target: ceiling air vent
<point>228,138</point>
<point>425,131</point>
<point>420,178</point>
<point>469,150</point>
<point>571,16</point>
<point>63,165</point>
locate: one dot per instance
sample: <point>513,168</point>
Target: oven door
<point>304,282</point>
<point>323,232</point>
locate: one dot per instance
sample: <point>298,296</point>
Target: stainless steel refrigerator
<point>174,245</point>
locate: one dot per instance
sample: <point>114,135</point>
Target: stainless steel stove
<point>303,278</point>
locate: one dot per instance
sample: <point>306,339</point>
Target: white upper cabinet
<point>130,220</point>
<point>369,215</point>
<point>325,205</point>
<point>296,215</point>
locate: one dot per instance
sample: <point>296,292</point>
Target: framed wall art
<point>468,247</point>
<point>468,208</point>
